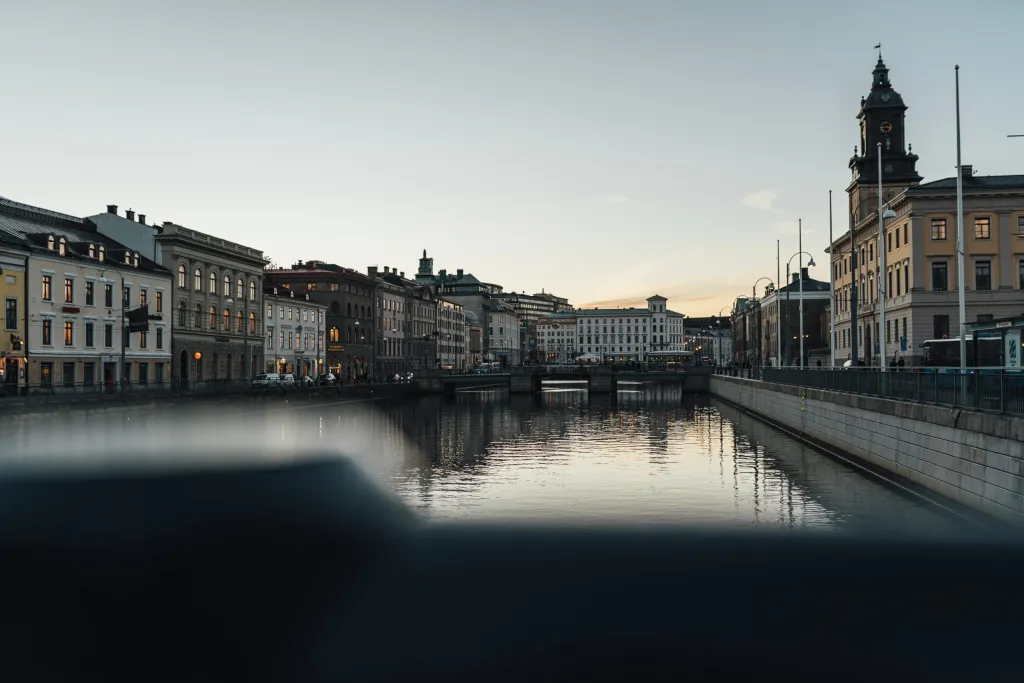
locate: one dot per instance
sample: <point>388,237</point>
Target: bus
<point>945,353</point>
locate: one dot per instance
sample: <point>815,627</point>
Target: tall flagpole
<point>800,228</point>
<point>778,305</point>
<point>961,276</point>
<point>831,291</point>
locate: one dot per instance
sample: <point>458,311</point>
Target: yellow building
<point>14,254</point>
<point>920,276</point>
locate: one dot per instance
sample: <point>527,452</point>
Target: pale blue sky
<point>601,150</point>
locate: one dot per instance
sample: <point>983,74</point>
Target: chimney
<point>459,272</point>
<point>142,218</point>
<point>804,275</point>
<point>402,274</point>
<point>129,214</point>
<point>796,277</point>
<point>371,271</point>
<point>112,208</point>
<point>442,273</point>
<point>387,270</point>
<point>168,224</point>
<point>966,170</point>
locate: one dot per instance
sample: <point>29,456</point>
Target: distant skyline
<point>599,150</point>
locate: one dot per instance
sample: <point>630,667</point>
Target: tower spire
<point>879,48</point>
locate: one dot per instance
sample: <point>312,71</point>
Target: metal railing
<point>983,390</point>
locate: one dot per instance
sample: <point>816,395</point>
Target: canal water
<point>646,456</point>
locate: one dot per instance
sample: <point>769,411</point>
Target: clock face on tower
<point>886,127</point>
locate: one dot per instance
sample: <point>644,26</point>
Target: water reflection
<point>645,455</point>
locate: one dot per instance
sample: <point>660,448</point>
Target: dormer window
<point>102,253</point>
<point>92,251</point>
<point>135,259</point>
<point>62,247</point>
<point>51,243</point>
<point>127,258</point>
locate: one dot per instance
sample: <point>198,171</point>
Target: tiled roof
<point>978,182</point>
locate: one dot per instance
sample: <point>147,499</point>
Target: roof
<point>975,182</point>
<point>35,225</point>
<point>810,285</point>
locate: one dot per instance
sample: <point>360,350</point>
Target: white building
<point>80,284</point>
<point>294,342</point>
<point>556,338</point>
<point>452,335</point>
<point>629,334</point>
<point>503,337</point>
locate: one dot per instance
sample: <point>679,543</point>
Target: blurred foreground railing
<point>984,390</point>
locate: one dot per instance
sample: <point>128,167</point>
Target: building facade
<point>217,323</point>
<point>629,334</point>
<point>556,338</point>
<point>780,320</point>
<point>393,350</point>
<point>919,278</point>
<point>452,338</point>
<point>350,324</point>
<point>295,338</point>
<point>80,286</point>
<point>14,254</point>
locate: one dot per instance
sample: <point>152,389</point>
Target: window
<point>47,332</point>
<point>10,314</point>
<point>92,251</point>
<point>906,276</point>
<point>252,323</point>
<point>108,296</point>
<point>239,289</point>
<point>227,285</point>
<point>181,276</point>
<point>159,337</point>
<point>50,243</point>
<point>62,247</point>
<point>143,339</point>
<point>102,253</point>
<point>335,337</point>
<point>227,320</point>
<point>888,241</point>
<point>181,314</point>
<point>940,276</point>
<point>47,288</point>
<point>69,333</point>
<point>143,297</point>
<point>888,285</point>
<point>1020,226</point>
<point>213,318</point>
<point>938,228</point>
<point>940,327</point>
<point>126,296</point>
<point>213,283</point>
<point>46,374</point>
<point>982,275</point>
<point>127,258</point>
<point>135,260</point>
<point>159,301</point>
<point>90,341</point>
<point>108,335</point>
<point>982,229</point>
<point>90,293</point>
<point>197,278</point>
<point>1020,275</point>
<point>252,290</point>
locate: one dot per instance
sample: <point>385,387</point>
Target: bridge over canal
<point>599,379</point>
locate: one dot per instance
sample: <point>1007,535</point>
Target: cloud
<point>763,200</point>
<point>616,199</point>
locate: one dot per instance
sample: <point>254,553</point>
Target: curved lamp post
<point>753,291</point>
<point>810,264</point>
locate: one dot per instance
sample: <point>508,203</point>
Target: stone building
<point>217,324</point>
<point>294,342</point>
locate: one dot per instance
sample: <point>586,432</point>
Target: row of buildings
<point>911,261</point>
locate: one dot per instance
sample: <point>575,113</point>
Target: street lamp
<point>789,264</point>
<point>124,305</point>
<point>753,291</point>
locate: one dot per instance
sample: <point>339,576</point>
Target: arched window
<point>252,323</point>
<point>198,320</point>
<point>198,277</point>
<point>227,285</point>
<point>335,308</point>
<point>181,313</point>
<point>213,282</point>
<point>227,319</point>
<point>239,322</point>
<point>213,318</point>
<point>239,289</point>
<point>349,309</point>
<point>135,259</point>
<point>62,248</point>
<point>92,251</point>
<point>51,243</point>
<point>334,336</point>
<point>103,253</point>
<point>252,290</point>
<point>127,258</point>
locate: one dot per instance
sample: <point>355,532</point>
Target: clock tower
<point>882,120</point>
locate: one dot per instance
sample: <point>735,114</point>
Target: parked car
<point>268,381</point>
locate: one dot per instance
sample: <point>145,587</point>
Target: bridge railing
<point>987,391</point>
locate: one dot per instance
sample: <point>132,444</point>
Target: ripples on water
<point>648,456</point>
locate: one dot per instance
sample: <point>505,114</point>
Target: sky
<point>601,150</point>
